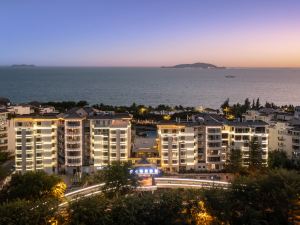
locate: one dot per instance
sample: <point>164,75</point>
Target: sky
<point>232,33</point>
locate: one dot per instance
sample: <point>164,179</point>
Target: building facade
<point>238,136</point>
<point>3,130</point>
<point>36,144</point>
<point>110,139</point>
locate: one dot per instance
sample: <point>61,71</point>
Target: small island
<point>196,65</point>
<point>22,66</point>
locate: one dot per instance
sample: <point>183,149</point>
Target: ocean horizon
<point>150,85</point>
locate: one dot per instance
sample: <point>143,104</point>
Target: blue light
<point>141,171</point>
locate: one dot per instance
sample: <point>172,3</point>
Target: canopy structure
<point>144,168</point>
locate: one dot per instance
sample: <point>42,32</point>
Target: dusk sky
<point>254,33</point>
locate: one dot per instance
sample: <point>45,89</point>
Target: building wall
<point>109,143</point>
<point>280,138</point>
<point>36,145</point>
<point>239,137</point>
<point>3,131</point>
<point>197,147</point>
<point>74,141</point>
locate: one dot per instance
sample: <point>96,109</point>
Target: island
<point>196,65</point>
<point>22,66</point>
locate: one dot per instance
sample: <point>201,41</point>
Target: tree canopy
<point>32,186</point>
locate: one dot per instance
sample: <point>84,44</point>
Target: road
<point>162,182</point>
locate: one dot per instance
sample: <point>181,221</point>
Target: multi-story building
<point>215,156</point>
<point>3,130</point>
<point>110,139</point>
<point>73,143</point>
<point>280,137</point>
<point>22,109</point>
<point>295,133</point>
<point>177,146</point>
<point>77,141</point>
<point>36,143</point>
<point>238,135</point>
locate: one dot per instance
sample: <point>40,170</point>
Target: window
<point>165,139</point>
<point>123,154</point>
<point>113,155</point>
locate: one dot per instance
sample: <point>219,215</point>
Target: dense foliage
<point>117,178</point>
<point>32,186</point>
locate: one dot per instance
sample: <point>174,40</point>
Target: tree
<point>225,104</point>
<point>32,186</point>
<point>263,198</point>
<point>278,159</point>
<point>23,212</point>
<point>257,105</point>
<point>255,154</point>
<point>118,179</point>
<point>247,104</point>
<point>234,163</point>
<point>91,210</point>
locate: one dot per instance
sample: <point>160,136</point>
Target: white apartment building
<point>73,143</point>
<point>266,115</point>
<point>211,154</point>
<point>295,133</point>
<point>110,139</point>
<point>177,146</point>
<point>280,137</point>
<point>3,130</point>
<point>36,143</point>
<point>237,136</point>
<point>21,109</point>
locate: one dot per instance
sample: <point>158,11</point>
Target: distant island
<point>22,65</point>
<point>196,65</point>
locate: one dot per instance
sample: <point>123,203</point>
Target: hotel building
<point>110,139</point>
<point>36,143</point>
<point>3,130</point>
<point>238,136</point>
<point>177,145</point>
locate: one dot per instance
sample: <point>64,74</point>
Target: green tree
<point>32,186</point>
<point>23,212</point>
<point>91,210</point>
<point>263,198</point>
<point>234,163</point>
<point>118,179</point>
<point>225,104</point>
<point>255,154</point>
<point>257,105</point>
<point>278,159</point>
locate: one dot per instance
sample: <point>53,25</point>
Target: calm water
<point>150,86</point>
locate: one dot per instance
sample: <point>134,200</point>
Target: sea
<point>150,86</point>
